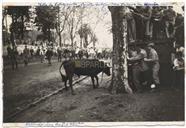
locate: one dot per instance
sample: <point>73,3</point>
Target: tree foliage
<point>85,32</point>
<point>19,15</point>
<point>46,19</point>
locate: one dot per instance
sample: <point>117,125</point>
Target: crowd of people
<point>29,54</point>
<point>155,23</point>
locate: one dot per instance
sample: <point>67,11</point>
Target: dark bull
<point>84,67</point>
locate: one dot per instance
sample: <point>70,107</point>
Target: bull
<point>85,67</point>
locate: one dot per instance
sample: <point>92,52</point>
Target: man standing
<point>80,54</point>
<point>31,52</point>
<point>49,55</point>
<point>42,55</point>
<point>8,51</point>
<point>131,26</point>
<point>153,62</point>
<point>13,57</point>
<point>146,15</point>
<point>157,16</point>
<point>59,52</point>
<point>26,53</point>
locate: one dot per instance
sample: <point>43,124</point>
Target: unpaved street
<point>28,84</point>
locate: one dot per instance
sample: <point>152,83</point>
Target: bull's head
<point>106,70</point>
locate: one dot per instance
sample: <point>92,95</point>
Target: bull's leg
<point>70,82</point>
<point>92,77</point>
<point>97,79</point>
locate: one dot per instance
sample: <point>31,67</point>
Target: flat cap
<point>150,44</point>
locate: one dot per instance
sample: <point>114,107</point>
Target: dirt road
<point>27,84</point>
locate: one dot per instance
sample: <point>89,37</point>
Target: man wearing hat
<point>138,66</point>
<point>153,62</point>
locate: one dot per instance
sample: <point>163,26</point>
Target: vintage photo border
<point>83,124</point>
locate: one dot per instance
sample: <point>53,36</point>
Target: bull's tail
<point>62,72</point>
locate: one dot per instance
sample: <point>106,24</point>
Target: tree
<point>63,14</point>
<point>73,22</point>
<point>4,13</point>
<point>19,15</point>
<point>65,37</point>
<point>119,60</point>
<point>84,32</point>
<point>46,19</point>
<point>94,39</point>
<point>4,25</point>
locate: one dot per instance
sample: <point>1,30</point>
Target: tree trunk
<point>94,44</point>
<point>86,41</point>
<point>64,42</point>
<point>4,34</point>
<point>58,27</point>
<point>22,27</point>
<point>72,41</point>
<point>60,42</point>
<point>119,82</point>
<point>12,32</point>
<point>49,34</point>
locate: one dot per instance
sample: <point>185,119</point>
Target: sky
<point>100,22</point>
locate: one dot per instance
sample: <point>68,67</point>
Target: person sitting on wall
<point>169,17</point>
<point>146,15</point>
<point>131,26</point>
<point>140,26</point>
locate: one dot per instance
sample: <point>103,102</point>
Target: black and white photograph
<point>93,62</point>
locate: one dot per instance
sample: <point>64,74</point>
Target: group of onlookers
<point>156,22</point>
<point>27,55</point>
<point>145,24</point>
<point>82,53</point>
<point>144,66</point>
